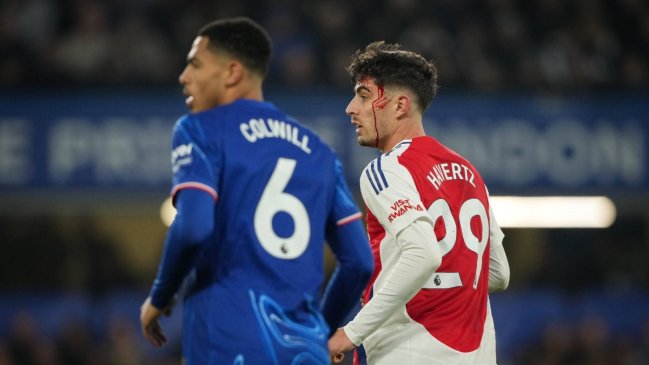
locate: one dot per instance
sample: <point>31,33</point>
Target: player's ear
<point>235,72</point>
<point>403,105</point>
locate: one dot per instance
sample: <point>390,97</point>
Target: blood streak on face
<point>379,103</point>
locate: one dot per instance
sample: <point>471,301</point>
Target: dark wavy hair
<point>243,39</point>
<point>389,65</point>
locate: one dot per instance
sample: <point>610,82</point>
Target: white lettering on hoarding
<point>15,159</point>
<point>117,150</point>
<point>564,153</point>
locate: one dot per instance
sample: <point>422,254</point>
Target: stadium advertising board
<point>520,144</point>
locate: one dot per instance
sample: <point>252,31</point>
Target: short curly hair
<point>389,65</point>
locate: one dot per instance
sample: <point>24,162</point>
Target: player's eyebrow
<point>360,88</point>
<point>192,60</point>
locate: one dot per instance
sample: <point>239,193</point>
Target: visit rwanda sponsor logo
<point>400,207</point>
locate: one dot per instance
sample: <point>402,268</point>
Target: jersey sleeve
<point>344,210</point>
<point>191,226</point>
<point>191,166</point>
<point>391,195</point>
<point>498,264</point>
<point>351,248</point>
<point>417,261</point>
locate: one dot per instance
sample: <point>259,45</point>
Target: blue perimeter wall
<point>522,144</point>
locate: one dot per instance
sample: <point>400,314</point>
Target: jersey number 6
<point>274,200</point>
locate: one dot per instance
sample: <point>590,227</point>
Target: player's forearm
<point>351,248</point>
<point>191,228</point>
<point>342,294</point>
<point>177,261</point>
<point>498,264</point>
<point>419,258</point>
<point>498,269</point>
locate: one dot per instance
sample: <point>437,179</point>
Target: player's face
<point>368,115</point>
<point>203,77</point>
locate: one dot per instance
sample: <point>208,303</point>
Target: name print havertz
<point>450,171</point>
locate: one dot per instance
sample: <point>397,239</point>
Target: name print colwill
<point>256,129</point>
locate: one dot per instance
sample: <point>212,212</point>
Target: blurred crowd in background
<point>588,343</point>
<point>120,343</point>
<point>541,46</point>
<point>99,325</point>
<point>492,45</point>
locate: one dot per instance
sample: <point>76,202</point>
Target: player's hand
<point>151,329</point>
<point>339,343</point>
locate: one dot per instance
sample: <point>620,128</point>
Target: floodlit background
<point>548,98</point>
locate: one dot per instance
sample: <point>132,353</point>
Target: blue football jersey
<point>278,188</point>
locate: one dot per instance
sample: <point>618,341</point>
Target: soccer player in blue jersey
<point>257,194</point>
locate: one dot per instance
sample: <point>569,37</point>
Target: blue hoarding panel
<point>521,144</point>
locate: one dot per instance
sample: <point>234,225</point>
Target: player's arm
<point>192,226</point>
<point>194,198</point>
<point>349,244</point>
<point>384,188</point>
<point>498,264</point>
<point>419,258</point>
<point>194,195</point>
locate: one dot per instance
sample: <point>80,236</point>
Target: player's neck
<point>250,89</point>
<point>407,130</point>
<point>253,94</point>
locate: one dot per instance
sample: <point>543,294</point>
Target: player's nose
<point>183,78</point>
<point>350,109</point>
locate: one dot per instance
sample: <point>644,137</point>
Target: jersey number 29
<point>469,209</point>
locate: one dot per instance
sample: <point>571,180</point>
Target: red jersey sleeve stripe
<point>351,218</point>
<point>195,185</point>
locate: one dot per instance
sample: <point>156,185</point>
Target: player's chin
<point>193,107</point>
<point>364,141</point>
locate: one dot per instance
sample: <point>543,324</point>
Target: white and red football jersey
<point>448,321</point>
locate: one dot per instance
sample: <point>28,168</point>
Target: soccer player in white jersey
<point>437,247</point>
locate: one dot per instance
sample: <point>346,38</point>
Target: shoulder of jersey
<point>398,150</point>
<point>182,124</point>
<point>375,171</point>
<point>389,159</point>
<point>189,120</point>
<point>183,120</point>
<point>200,120</point>
<point>314,137</point>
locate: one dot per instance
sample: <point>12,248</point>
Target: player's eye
<point>193,62</point>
